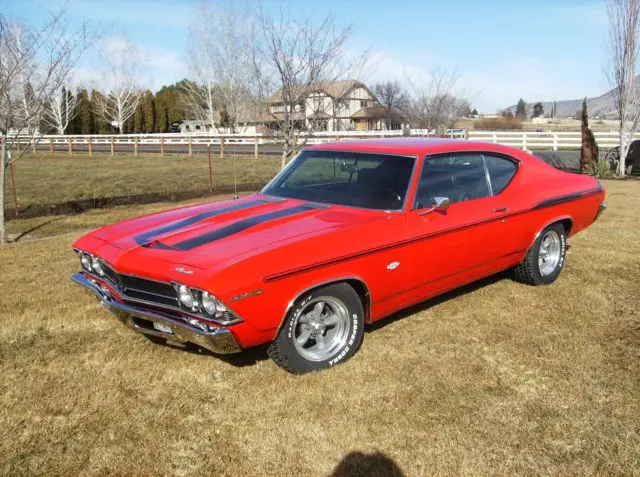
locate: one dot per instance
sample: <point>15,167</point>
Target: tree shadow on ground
<point>356,464</point>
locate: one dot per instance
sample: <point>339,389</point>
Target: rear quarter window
<point>501,171</point>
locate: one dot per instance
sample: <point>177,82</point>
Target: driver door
<point>460,244</point>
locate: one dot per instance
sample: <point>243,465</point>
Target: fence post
<point>162,146</point>
<point>135,146</point>
<point>555,141</point>
<point>210,171</point>
<point>15,193</point>
<point>524,141</point>
<point>69,146</point>
<point>256,148</point>
<point>495,139</point>
<point>90,147</point>
<point>190,147</point>
<point>33,148</point>
<point>113,146</point>
<point>221,147</point>
<point>51,144</point>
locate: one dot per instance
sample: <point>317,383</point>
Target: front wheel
<point>545,259</point>
<point>324,328</point>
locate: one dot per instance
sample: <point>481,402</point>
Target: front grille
<point>138,288</point>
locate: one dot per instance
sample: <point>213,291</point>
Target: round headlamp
<point>85,259</point>
<point>97,266</point>
<point>208,303</point>
<point>185,296</point>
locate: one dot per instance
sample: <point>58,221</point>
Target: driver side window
<point>459,177</point>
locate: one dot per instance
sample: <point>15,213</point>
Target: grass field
<point>498,378</point>
<point>56,178</point>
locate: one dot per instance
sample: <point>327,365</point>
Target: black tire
<point>285,353</point>
<point>528,271</point>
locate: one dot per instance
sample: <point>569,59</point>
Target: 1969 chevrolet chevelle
<point>345,235</point>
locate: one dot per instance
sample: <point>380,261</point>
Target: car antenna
<point>235,178</point>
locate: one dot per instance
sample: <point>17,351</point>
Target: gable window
<point>364,103</point>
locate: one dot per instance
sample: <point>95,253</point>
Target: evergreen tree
<point>149,112</point>
<point>521,109</point>
<point>538,110</point>
<point>474,112</point>
<point>589,150</point>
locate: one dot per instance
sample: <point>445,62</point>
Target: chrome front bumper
<point>220,340</point>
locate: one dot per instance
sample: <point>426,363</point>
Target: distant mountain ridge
<point>602,106</point>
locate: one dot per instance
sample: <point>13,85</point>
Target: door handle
<point>500,209</point>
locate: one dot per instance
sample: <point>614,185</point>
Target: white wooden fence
<point>257,144</point>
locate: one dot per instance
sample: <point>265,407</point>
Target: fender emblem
<point>393,265</point>
<point>186,271</point>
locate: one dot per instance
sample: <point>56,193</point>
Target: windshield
<point>372,181</point>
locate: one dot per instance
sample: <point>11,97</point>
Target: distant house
<point>338,106</point>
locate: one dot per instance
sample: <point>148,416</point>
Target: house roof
<point>335,89</point>
<point>377,112</point>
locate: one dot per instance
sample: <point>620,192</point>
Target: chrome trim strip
<point>220,340</point>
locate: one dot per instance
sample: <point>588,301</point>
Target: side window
<point>501,171</point>
<point>459,177</point>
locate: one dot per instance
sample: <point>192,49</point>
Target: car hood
<point>218,234</point>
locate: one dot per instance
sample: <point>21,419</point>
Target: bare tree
<point>294,57</point>
<point>391,95</point>
<point>624,22</point>
<point>123,93</point>
<point>60,110</point>
<point>34,63</point>
<point>222,42</point>
<point>433,105</point>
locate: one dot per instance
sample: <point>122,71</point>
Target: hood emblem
<point>186,271</point>
<point>393,265</point>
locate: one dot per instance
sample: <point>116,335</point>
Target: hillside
<point>600,106</point>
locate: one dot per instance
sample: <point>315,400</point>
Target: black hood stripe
<point>241,225</point>
<point>148,236</point>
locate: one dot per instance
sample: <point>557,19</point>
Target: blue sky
<point>502,49</point>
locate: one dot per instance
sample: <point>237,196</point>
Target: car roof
<point>418,146</point>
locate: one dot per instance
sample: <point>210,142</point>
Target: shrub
<point>497,124</point>
<point>600,169</point>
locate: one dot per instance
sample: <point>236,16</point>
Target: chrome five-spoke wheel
<point>324,327</point>
<point>321,328</point>
<point>549,254</point>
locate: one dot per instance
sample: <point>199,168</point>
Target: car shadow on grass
<point>251,356</point>
<point>425,305</point>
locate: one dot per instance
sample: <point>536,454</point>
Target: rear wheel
<point>324,328</point>
<point>545,259</point>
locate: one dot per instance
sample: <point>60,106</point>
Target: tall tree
<point>82,123</point>
<point>391,94</point>
<point>149,109</point>
<point>538,110</point>
<point>293,55</point>
<point>123,94</point>
<point>589,150</point>
<point>34,62</point>
<point>60,110</point>
<point>221,53</point>
<point>624,26</point>
<point>433,105</point>
<point>521,109</point>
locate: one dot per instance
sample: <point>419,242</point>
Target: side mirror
<point>439,204</point>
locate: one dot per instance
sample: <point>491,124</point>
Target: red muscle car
<point>346,234</point>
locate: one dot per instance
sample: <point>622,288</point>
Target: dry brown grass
<point>54,178</point>
<point>499,378</point>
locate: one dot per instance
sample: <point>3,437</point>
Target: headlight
<point>208,303</point>
<point>97,266</point>
<point>186,297</point>
<point>85,259</point>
